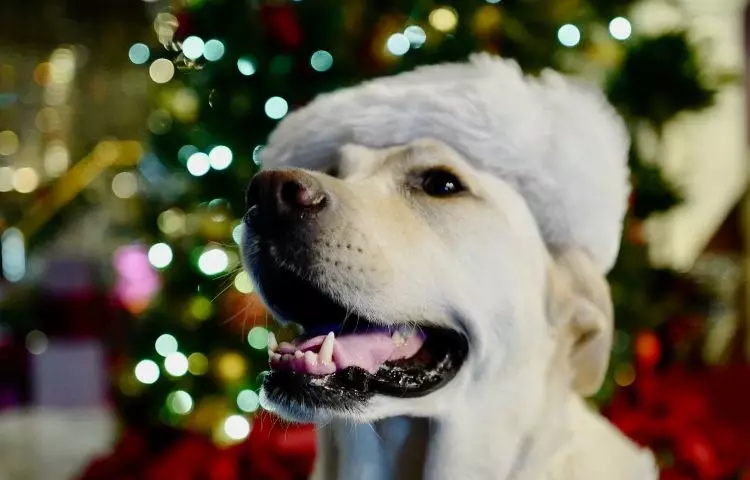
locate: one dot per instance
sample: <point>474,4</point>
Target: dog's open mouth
<point>342,358</point>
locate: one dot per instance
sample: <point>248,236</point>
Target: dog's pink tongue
<point>368,351</point>
<point>365,350</point>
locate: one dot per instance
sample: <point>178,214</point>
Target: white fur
<point>517,263</point>
<point>559,143</point>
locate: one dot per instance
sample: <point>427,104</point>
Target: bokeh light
<point>620,28</point>
<point>246,66</point>
<point>231,367</point>
<point>160,255</point>
<point>398,44</point>
<point>569,35</point>
<point>276,108</point>
<point>165,345</point>
<point>242,283</point>
<point>139,53</point>
<point>56,158</point>
<point>256,154</point>
<point>213,50</point>
<point>172,221</point>
<point>25,180</point>
<point>321,61</point>
<point>6,179</point>
<point>176,364</point>
<point>193,47</point>
<point>13,254</point>
<point>213,261</point>
<point>36,342</point>
<point>416,35</point>
<point>257,337</point>
<point>161,70</point>
<point>180,402</point>
<point>248,401</point>
<point>125,185</point>
<point>443,19</point>
<point>186,151</point>
<point>220,157</point>
<point>198,164</point>
<point>200,308</point>
<point>8,142</point>
<point>197,363</point>
<point>236,427</point>
<point>237,234</point>
<point>147,371</point>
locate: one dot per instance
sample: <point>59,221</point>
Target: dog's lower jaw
<point>570,442</point>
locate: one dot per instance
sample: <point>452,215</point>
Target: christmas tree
<point>227,71</point>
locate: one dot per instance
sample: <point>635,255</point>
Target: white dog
<point>442,237</point>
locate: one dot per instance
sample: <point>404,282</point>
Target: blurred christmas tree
<point>231,70</point>
<point>228,70</point>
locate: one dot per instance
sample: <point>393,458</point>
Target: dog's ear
<point>582,300</point>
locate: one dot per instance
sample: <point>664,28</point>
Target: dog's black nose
<point>285,193</point>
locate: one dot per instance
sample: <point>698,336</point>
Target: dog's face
<point>418,281</point>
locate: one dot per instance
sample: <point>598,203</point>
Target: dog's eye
<point>441,183</point>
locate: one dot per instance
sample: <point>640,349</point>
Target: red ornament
<point>647,350</point>
<point>282,24</point>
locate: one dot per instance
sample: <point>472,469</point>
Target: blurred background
<point>132,345</point>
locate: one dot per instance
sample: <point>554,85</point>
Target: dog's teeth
<point>398,338</point>
<point>326,349</point>
<point>298,354</point>
<point>311,358</point>
<point>286,358</point>
<point>273,345</point>
<point>276,357</point>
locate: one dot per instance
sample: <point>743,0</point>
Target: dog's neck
<point>569,442</point>
<point>486,438</point>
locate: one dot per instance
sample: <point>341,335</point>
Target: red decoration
<point>647,350</point>
<point>274,451</point>
<point>697,419</point>
<point>282,24</point>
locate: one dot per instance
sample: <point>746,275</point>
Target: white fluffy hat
<point>558,142</point>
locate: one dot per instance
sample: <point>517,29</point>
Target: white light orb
<point>416,35</point>
<point>398,44</point>
<point>242,283</point>
<point>165,345</point>
<point>620,28</point>
<point>220,157</point>
<point>236,427</point>
<point>193,47</point>
<point>176,364</point>
<point>248,401</point>
<point>180,402</point>
<point>276,108</point>
<point>213,50</point>
<point>246,66</point>
<point>160,255</point>
<point>198,164</point>
<point>213,261</point>
<point>569,35</point>
<point>147,371</point>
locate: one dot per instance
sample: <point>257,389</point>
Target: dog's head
<point>421,278</point>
